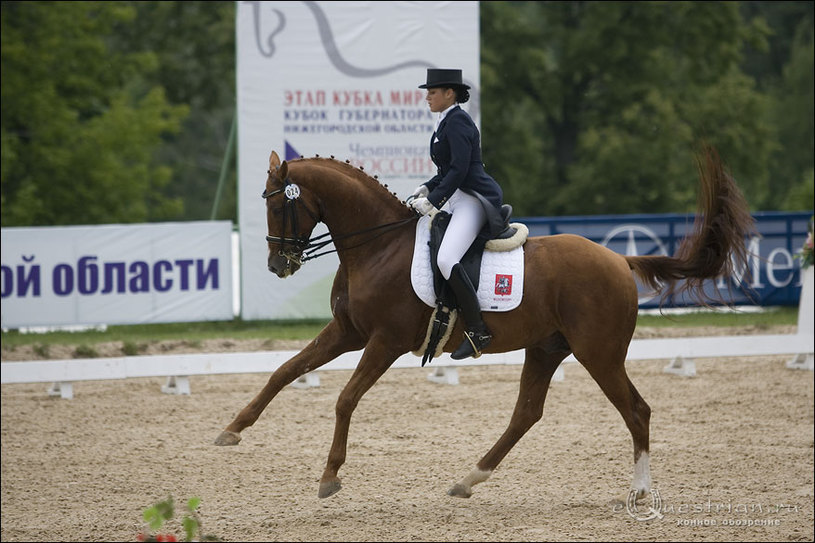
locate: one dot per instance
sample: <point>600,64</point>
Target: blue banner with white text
<point>116,274</point>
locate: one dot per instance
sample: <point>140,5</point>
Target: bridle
<point>299,243</point>
<point>304,248</point>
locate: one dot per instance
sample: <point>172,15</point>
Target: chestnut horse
<point>579,297</point>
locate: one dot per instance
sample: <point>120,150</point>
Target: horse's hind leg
<point>619,389</point>
<point>329,344</point>
<point>539,366</point>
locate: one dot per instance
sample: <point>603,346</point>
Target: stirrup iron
<point>477,339</point>
<point>469,336</point>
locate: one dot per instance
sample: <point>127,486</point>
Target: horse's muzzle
<point>282,265</point>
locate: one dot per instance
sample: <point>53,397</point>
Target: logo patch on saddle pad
<point>501,283</point>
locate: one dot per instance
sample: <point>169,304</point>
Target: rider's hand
<point>421,192</point>
<point>422,205</point>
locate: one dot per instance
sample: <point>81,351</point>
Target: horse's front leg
<point>376,359</point>
<point>333,341</point>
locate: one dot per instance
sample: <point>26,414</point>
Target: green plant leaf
<point>190,527</point>
<point>153,518</point>
<point>166,508</point>
<point>156,515</point>
<point>193,504</point>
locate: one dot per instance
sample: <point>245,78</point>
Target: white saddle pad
<point>501,283</point>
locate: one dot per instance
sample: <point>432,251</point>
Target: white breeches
<point>468,217</point>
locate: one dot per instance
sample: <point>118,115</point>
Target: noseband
<point>302,243</point>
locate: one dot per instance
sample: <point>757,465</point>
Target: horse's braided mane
<point>355,172</point>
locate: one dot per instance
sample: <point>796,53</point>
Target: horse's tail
<point>714,247</point>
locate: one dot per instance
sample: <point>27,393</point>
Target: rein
<point>385,228</point>
<point>305,247</point>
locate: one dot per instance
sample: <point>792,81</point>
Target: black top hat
<point>437,77</point>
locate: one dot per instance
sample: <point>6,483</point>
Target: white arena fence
<point>179,367</point>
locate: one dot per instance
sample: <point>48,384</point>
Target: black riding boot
<point>476,334</point>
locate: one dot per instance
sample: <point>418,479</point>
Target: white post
<point>309,380</point>
<point>806,319</point>
<point>681,366</point>
<point>444,375</point>
<point>559,375</point>
<point>63,389</point>
<point>177,384</point>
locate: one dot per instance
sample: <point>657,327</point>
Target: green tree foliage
<point>195,44</point>
<point>80,123</point>
<point>784,73</point>
<point>597,107</point>
<point>794,110</point>
<point>120,111</point>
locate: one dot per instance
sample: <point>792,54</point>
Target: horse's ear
<point>274,160</point>
<point>284,170</point>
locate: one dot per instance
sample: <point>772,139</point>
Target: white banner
<point>341,79</point>
<point>116,274</point>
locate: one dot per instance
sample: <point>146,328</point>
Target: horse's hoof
<point>641,493</point>
<point>618,500</point>
<point>329,488</point>
<point>228,438</point>
<point>460,491</point>
<point>625,499</point>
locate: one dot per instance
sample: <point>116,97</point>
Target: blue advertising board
<point>773,276</point>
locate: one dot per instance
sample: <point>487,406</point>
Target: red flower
<point>165,537</point>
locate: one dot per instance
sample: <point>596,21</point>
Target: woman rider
<point>455,149</point>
